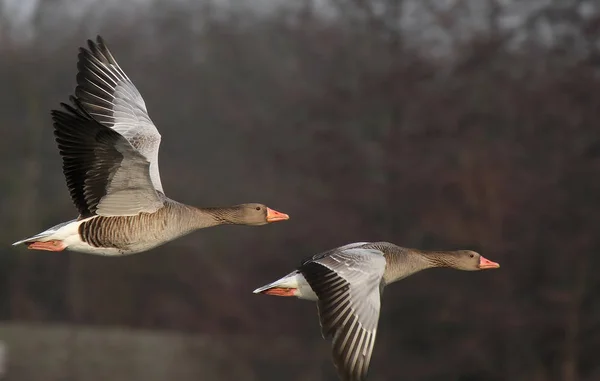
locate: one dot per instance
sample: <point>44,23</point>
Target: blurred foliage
<point>357,134</point>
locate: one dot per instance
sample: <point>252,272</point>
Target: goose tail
<point>293,284</point>
<point>53,233</point>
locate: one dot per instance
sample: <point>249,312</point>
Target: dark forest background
<point>440,135</point>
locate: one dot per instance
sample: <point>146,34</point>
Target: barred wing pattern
<point>104,173</point>
<point>112,99</point>
<point>347,282</point>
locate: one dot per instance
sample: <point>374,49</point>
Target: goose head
<point>469,260</point>
<point>256,214</point>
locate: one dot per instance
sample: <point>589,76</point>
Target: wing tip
<point>96,50</point>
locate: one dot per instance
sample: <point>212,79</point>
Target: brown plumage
<point>347,283</point>
<point>109,147</point>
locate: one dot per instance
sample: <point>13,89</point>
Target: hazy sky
<point>21,18</point>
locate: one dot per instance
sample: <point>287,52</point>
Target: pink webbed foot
<point>47,245</point>
<point>280,291</point>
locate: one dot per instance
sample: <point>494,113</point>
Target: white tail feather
<point>288,281</point>
<point>46,235</point>
<point>294,280</point>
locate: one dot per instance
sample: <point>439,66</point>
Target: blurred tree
<point>336,114</point>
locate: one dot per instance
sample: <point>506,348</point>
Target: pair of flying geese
<point>109,149</point>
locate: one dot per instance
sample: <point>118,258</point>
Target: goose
<point>109,149</point>
<point>347,283</point>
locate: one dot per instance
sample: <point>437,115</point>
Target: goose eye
<point>258,208</point>
<point>472,255</point>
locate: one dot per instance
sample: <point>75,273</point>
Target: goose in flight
<point>109,149</point>
<point>347,283</point>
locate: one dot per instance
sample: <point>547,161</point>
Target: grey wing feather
<point>347,282</point>
<point>336,250</point>
<point>105,174</point>
<point>112,99</point>
<point>130,191</point>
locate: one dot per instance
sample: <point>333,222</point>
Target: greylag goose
<point>109,148</point>
<point>347,283</point>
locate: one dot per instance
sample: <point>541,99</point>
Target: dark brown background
<point>360,131</point>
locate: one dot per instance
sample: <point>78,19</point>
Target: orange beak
<point>274,216</point>
<point>487,264</point>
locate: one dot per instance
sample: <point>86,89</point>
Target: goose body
<point>109,148</point>
<point>347,283</point>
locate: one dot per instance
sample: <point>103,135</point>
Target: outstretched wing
<point>104,173</point>
<point>112,99</point>
<point>347,282</point>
